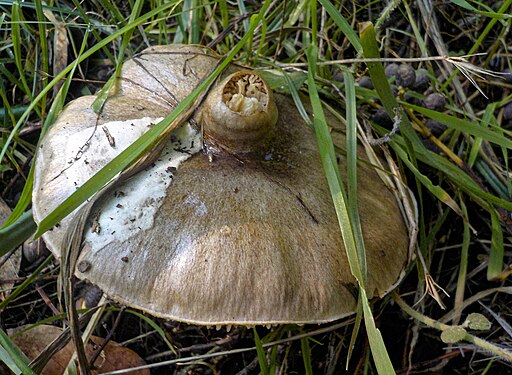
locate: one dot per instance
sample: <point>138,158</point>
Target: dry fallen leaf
<point>113,357</point>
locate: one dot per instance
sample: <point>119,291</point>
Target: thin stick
<point>370,60</point>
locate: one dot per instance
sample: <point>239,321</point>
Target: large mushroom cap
<point>227,237</point>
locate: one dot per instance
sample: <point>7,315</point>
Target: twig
<point>370,60</point>
<point>107,339</point>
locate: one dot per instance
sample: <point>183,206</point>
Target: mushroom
<point>242,231</point>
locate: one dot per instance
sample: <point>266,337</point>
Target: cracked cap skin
<point>237,238</point>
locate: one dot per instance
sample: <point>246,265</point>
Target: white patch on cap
<point>132,206</point>
<point>89,150</point>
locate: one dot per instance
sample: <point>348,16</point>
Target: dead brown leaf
<point>113,357</point>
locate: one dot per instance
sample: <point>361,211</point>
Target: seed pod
<point>391,70</point>
<point>507,75</point>
<point>507,112</point>
<point>434,101</point>
<point>405,75</point>
<point>382,118</point>
<point>422,81</point>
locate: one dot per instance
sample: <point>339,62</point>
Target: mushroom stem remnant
<point>239,112</point>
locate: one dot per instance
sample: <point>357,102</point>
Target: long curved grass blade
<point>489,12</point>
<point>16,233</point>
<point>326,147</point>
<point>465,126</point>
<point>351,144</point>
<point>436,190</point>
<point>330,165</point>
<point>453,172</point>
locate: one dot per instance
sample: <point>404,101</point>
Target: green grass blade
<point>314,21</point>
<point>196,16</point>
<point>379,352</point>
<point>497,248</point>
<point>16,233</point>
<point>381,84</point>
<point>224,15</point>
<point>463,265</point>
<point>465,126</point>
<point>475,147</point>
<point>459,177</point>
<point>262,358</point>
<point>436,190</point>
<point>306,355</point>
<point>17,21</point>
<point>153,325</point>
<point>84,15</point>
<point>13,357</point>
<point>343,25</point>
<point>351,144</point>
<point>44,47</point>
<point>355,330</point>
<point>102,97</point>
<point>330,165</point>
<point>464,4</point>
